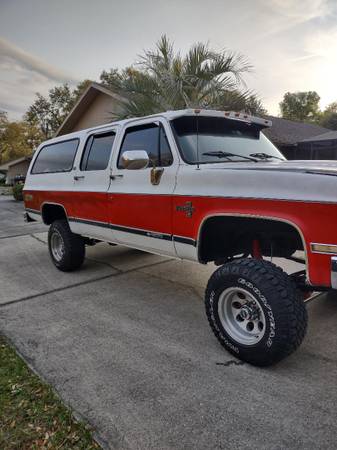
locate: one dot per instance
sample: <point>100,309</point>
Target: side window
<point>58,157</point>
<point>152,139</point>
<point>97,151</point>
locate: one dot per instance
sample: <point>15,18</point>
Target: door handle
<point>119,175</point>
<point>79,177</point>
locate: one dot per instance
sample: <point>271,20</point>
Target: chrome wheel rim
<point>57,246</point>
<point>241,316</point>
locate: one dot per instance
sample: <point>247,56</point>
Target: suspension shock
<point>256,249</point>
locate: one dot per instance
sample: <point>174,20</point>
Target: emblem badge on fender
<point>188,208</point>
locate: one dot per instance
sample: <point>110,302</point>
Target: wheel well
<point>51,212</point>
<point>224,237</point>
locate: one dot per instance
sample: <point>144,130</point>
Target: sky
<point>292,44</point>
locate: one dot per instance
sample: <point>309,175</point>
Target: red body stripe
<point>317,221</point>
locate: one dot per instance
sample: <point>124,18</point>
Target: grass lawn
<point>31,414</point>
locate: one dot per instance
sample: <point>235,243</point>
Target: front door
<point>141,207</point>
<point>91,184</point>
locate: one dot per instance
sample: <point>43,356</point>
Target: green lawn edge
<point>32,416</point>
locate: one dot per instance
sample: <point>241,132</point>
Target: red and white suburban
<point>203,186</point>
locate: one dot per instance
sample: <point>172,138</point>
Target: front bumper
<point>334,272</point>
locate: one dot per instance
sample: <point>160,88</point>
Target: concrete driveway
<point>126,344</point>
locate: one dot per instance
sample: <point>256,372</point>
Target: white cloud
<point>22,75</point>
<point>10,52</point>
<point>286,14</point>
<point>294,49</point>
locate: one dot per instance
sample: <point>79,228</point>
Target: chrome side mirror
<point>135,159</point>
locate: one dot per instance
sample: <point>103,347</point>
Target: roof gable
<point>83,103</point>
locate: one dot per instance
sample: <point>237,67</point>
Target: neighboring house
<point>323,146</point>
<point>96,106</point>
<point>18,167</point>
<point>286,135</point>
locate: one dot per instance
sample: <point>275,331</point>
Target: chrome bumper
<point>334,272</point>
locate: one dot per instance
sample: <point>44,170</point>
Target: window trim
<point>144,124</point>
<point>92,136</point>
<point>50,145</point>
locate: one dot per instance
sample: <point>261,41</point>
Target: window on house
<point>97,151</point>
<point>58,157</point>
<point>152,139</point>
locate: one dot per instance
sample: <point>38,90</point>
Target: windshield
<point>217,134</point>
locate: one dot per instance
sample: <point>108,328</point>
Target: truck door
<point>141,199</point>
<point>91,184</point>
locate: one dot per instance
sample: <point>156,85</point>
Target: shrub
<point>17,191</point>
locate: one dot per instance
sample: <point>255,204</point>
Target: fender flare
<point>255,216</point>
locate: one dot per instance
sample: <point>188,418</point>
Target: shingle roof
<point>329,136</point>
<point>289,132</point>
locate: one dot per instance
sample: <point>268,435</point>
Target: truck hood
<point>309,181</point>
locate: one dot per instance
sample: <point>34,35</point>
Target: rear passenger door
<point>91,179</point>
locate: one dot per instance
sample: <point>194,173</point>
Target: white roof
<point>170,115</point>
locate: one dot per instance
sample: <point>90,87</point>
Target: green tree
<point>165,80</point>
<point>302,106</point>
<point>17,139</point>
<point>329,116</point>
<point>48,113</point>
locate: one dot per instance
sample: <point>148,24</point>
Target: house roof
<point>83,103</point>
<point>6,166</point>
<point>289,132</point>
<point>329,136</point>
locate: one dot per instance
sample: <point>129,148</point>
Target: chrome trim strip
<point>334,272</point>
<point>147,233</point>
<point>184,240</point>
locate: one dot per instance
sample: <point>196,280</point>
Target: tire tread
<point>277,285</point>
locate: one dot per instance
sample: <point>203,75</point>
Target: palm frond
<point>163,79</point>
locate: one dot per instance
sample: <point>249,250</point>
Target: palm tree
<point>164,80</point>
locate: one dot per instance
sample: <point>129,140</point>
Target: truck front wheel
<point>67,250</point>
<point>255,311</point>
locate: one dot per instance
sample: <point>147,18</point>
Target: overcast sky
<point>292,44</point>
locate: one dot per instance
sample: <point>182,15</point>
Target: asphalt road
<point>126,344</point>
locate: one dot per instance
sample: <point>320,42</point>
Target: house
<point>323,146</point>
<point>96,106</point>
<point>17,167</point>
<point>286,135</point>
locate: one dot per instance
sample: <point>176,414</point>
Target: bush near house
<point>17,191</point>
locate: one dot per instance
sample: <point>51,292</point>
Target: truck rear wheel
<point>255,311</point>
<point>67,250</point>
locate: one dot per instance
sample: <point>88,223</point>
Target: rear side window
<point>97,151</point>
<point>58,157</point>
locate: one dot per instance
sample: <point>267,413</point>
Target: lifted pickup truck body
<point>172,184</point>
